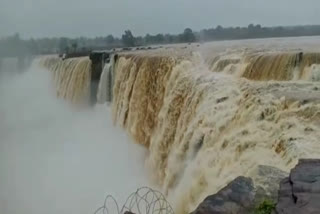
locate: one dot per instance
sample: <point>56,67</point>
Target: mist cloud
<point>55,159</point>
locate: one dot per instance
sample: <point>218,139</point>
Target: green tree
<point>74,46</point>
<point>159,38</point>
<point>15,38</point>
<point>251,27</point>
<point>219,28</point>
<point>32,46</point>
<point>148,39</point>
<point>188,35</point>
<point>128,39</point>
<point>138,41</point>
<point>67,50</point>
<point>63,44</point>
<point>110,39</point>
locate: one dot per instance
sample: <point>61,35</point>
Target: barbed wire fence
<point>144,201</point>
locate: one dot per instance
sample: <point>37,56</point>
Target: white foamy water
<point>54,159</point>
<point>104,86</point>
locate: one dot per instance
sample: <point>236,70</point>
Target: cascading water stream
<point>203,129</point>
<point>105,84</point>
<point>71,77</point>
<point>264,66</point>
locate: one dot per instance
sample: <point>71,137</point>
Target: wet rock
<point>198,146</point>
<point>267,180</point>
<point>77,54</point>
<point>300,192</point>
<point>222,99</point>
<point>308,129</point>
<point>126,49</point>
<point>243,195</point>
<point>237,197</point>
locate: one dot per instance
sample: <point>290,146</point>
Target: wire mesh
<point>144,201</point>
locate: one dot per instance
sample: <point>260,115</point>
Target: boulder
<point>236,198</point>
<point>244,194</point>
<point>300,192</point>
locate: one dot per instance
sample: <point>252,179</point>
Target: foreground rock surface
<point>243,195</point>
<point>300,193</point>
<point>237,197</point>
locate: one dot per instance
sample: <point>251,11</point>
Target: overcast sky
<point>74,18</point>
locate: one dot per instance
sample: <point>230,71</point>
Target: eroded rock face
<point>300,193</point>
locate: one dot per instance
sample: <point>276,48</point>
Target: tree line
<point>15,46</point>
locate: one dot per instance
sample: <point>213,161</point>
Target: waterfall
<point>71,77</point>
<point>264,66</point>
<point>202,123</point>
<point>203,128</point>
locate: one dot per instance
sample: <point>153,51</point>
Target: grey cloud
<point>40,18</point>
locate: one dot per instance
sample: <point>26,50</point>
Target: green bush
<point>266,207</point>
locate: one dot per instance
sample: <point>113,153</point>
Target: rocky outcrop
<point>243,195</point>
<point>300,192</point>
<point>75,54</point>
<point>237,197</point>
